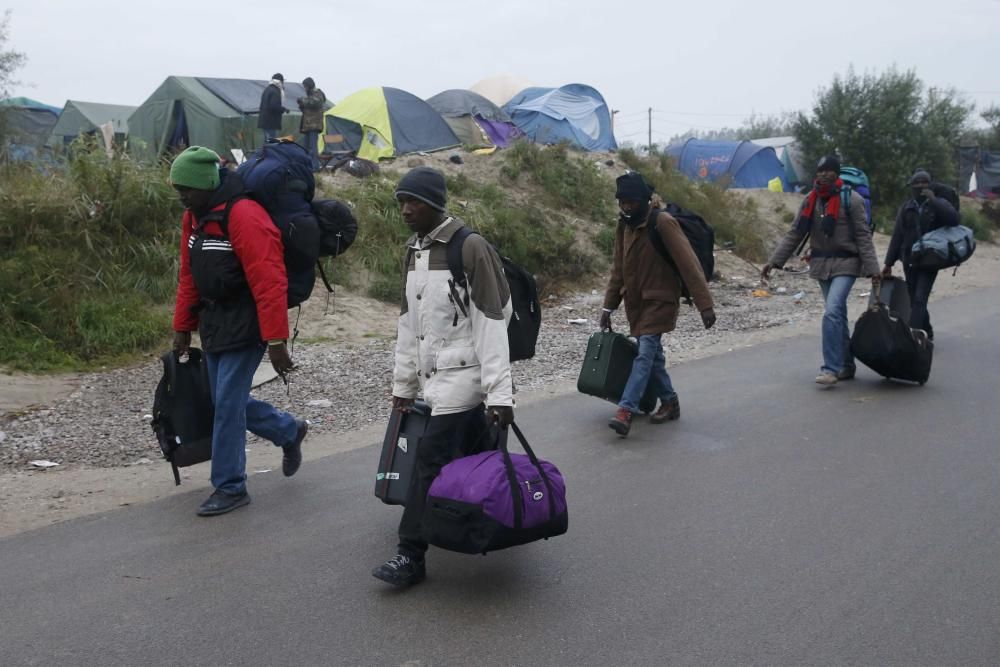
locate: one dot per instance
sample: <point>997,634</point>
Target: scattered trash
<point>798,296</point>
<point>593,292</point>
<point>42,463</point>
<point>456,159</point>
<point>737,278</point>
<point>256,472</point>
<point>141,462</point>
<point>781,290</point>
<point>144,417</point>
<point>760,293</point>
<point>578,320</point>
<point>320,403</point>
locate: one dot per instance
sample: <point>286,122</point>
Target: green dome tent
<point>382,122</point>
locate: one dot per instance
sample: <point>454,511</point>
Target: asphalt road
<point>775,523</point>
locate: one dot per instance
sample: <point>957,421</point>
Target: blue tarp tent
<point>575,113</point>
<point>744,163</point>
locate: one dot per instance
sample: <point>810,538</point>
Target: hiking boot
<point>846,373</point>
<point>621,422</point>
<point>292,459</point>
<point>401,570</point>
<point>221,502</point>
<point>669,410</point>
<point>826,378</point>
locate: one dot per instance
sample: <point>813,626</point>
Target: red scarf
<point>826,193</point>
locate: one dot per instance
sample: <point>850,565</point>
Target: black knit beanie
<point>278,76</point>
<point>829,163</point>
<point>425,184</point>
<point>631,185</point>
<point>920,175</point>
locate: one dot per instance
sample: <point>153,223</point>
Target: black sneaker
<point>401,570</point>
<point>292,459</point>
<point>221,502</point>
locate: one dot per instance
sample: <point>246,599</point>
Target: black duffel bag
<point>888,345</point>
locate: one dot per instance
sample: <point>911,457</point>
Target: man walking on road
<point>841,249</point>
<point>233,289</point>
<point>923,212</point>
<point>651,289</point>
<point>451,348</point>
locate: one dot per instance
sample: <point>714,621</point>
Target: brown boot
<point>668,411</point>
<point>621,422</point>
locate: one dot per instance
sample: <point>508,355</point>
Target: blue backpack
<point>279,177</point>
<point>857,181</point>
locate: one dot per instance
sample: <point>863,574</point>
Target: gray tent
<point>86,117</point>
<point>218,113</point>
<point>474,119</point>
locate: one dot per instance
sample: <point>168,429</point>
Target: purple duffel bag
<point>494,500</point>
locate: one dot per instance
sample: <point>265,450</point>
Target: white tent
<point>501,88</point>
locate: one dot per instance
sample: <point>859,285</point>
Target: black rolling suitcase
<point>893,293</point>
<point>606,368</point>
<point>887,345</point>
<point>399,453</point>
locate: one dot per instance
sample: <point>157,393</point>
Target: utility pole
<point>613,112</point>
<point>649,146</point>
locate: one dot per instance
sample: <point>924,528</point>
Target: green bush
<point>736,220</point>
<point>982,228</point>
<point>570,182</point>
<point>89,257</point>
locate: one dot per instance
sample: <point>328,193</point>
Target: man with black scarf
<point>841,249</point>
<point>923,212</point>
<point>651,290</point>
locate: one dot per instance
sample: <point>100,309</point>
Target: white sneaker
<point>826,379</point>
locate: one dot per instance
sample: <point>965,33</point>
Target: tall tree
<point>10,62</point>
<point>888,125</point>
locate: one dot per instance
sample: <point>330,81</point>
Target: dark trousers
<point>919,284</point>
<point>447,437</point>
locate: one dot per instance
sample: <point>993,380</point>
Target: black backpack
<point>183,413</point>
<point>699,234</point>
<point>948,193</point>
<point>526,320</point>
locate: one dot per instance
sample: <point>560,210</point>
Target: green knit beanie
<point>197,168</point>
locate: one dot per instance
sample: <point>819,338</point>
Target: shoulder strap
<point>654,237</point>
<point>454,253</point>
<point>223,217</point>
<point>845,201</point>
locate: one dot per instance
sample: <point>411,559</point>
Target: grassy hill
<point>89,253</point>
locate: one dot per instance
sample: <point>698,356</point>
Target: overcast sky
<point>701,64</point>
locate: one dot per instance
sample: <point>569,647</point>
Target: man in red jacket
<point>233,289</point>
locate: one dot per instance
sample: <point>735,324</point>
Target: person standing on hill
<point>311,106</point>
<point>451,348</point>
<point>841,248</point>
<point>272,107</point>
<point>651,290</point>
<point>232,287</point>
<point>923,212</point>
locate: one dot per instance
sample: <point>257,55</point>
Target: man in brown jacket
<point>841,249</point>
<point>651,289</point>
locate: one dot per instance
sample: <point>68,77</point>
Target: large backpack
<point>948,193</point>
<point>856,180</point>
<point>279,177</point>
<point>183,414</point>
<point>699,234</point>
<point>526,320</point>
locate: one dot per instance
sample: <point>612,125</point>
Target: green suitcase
<point>607,366</point>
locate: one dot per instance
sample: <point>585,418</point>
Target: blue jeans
<point>270,134</point>
<point>230,375</point>
<point>650,366</point>
<point>836,338</point>
<point>310,141</point>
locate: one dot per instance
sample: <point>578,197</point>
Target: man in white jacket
<point>451,348</point>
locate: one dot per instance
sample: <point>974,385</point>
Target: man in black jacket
<point>272,106</point>
<point>923,212</point>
